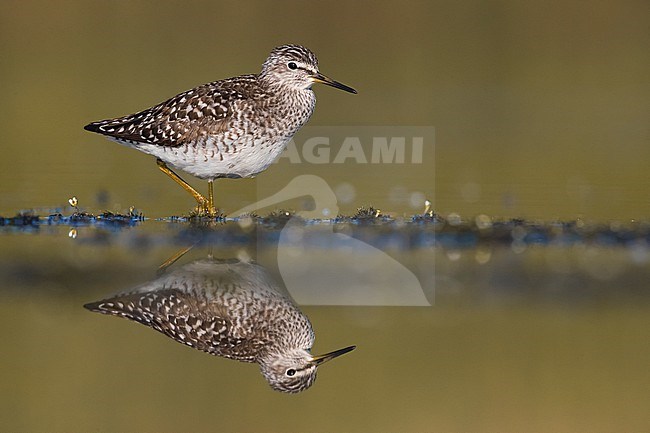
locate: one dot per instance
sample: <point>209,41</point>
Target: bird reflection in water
<point>232,309</point>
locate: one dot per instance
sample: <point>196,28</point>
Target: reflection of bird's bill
<point>320,78</point>
<point>321,359</point>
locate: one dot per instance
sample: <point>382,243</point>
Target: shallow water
<point>490,337</point>
<point>538,111</point>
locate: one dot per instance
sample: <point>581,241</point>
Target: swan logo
<point>321,267</point>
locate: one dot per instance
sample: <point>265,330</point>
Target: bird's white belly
<point>209,159</point>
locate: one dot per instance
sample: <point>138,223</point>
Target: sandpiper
<point>231,309</point>
<point>231,128</point>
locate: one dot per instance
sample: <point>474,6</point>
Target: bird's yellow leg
<point>211,208</point>
<point>205,206</point>
<point>170,261</point>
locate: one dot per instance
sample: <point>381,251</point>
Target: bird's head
<point>296,67</point>
<point>295,370</point>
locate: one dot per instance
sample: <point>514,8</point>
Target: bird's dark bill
<point>320,359</point>
<point>320,78</point>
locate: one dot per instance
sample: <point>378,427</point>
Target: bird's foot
<point>203,209</point>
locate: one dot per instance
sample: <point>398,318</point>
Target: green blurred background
<point>541,108</point>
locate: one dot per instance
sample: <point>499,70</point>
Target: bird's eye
<point>291,372</point>
<point>292,65</point>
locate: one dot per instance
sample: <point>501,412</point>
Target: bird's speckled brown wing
<point>187,319</point>
<point>185,118</point>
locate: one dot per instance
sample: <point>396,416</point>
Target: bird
<point>229,308</point>
<point>231,128</point>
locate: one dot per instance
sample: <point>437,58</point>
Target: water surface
<point>548,338</point>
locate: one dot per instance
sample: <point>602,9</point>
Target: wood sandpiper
<point>231,128</point>
<point>231,309</point>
